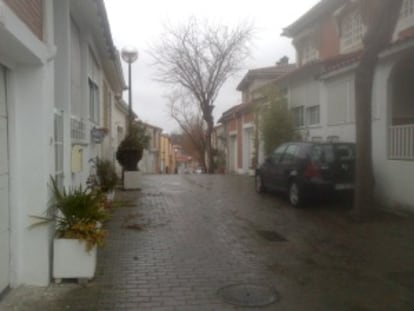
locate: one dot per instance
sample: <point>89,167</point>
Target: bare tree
<point>190,120</point>
<point>381,17</point>
<point>200,57</point>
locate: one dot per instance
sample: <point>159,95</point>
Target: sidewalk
<point>189,236</point>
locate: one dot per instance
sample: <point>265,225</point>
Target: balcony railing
<point>77,129</point>
<point>401,142</point>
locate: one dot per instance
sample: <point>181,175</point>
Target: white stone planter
<point>72,260</point>
<point>132,180</point>
<point>110,195</point>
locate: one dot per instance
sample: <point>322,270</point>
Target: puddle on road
<point>271,236</point>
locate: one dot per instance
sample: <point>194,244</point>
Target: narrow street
<point>184,237</point>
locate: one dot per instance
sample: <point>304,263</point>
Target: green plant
<point>131,148</point>
<point>79,214</point>
<point>106,174</point>
<point>275,121</point>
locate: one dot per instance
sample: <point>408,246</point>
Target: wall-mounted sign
<point>98,135</point>
<point>77,159</point>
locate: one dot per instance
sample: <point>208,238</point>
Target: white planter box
<point>132,180</point>
<point>72,260</point>
<point>110,195</point>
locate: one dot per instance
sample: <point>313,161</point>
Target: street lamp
<point>129,55</point>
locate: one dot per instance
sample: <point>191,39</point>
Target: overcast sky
<point>139,24</point>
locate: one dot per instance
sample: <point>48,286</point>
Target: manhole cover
<point>271,236</point>
<point>248,295</point>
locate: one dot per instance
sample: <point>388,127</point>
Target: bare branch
<point>200,57</point>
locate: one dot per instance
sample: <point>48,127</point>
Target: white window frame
<point>352,31</point>
<point>309,52</point>
<point>406,19</point>
<point>407,9</point>
<point>313,115</point>
<point>94,113</point>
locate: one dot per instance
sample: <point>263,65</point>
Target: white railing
<point>401,142</point>
<point>77,129</point>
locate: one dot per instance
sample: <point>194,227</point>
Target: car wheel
<point>295,195</point>
<point>259,184</point>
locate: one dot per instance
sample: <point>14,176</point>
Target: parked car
<point>306,169</point>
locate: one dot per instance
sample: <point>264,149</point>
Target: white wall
<point>394,179</point>
<point>30,64</point>
<point>118,123</point>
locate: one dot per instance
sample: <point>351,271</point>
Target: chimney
<point>283,61</point>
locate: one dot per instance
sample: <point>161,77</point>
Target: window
<point>93,102</point>
<point>107,115</point>
<point>298,116</point>
<point>309,52</point>
<point>277,154</point>
<point>75,73</point>
<point>407,9</point>
<point>313,115</point>
<point>352,31</point>
<point>58,136</point>
<point>290,154</point>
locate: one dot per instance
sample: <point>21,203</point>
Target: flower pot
<point>71,259</point>
<point>129,159</point>
<point>110,195</point>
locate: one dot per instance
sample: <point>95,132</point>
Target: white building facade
<point>55,60</point>
<point>321,91</point>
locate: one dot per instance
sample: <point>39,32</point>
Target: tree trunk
<point>382,20</point>
<point>364,188</point>
<point>209,150</point>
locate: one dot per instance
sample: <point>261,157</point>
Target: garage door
<point>4,188</point>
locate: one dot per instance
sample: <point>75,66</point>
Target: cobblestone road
<point>185,237</point>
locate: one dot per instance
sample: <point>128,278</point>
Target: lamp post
<point>129,55</point>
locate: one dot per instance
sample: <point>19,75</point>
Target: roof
<point>123,106</point>
<point>315,13</point>
<point>272,72</point>
<point>92,15</point>
<point>236,110</point>
<point>343,61</point>
<point>152,126</point>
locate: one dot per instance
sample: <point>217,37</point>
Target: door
<point>4,188</point>
<point>287,167</point>
<point>270,168</point>
<point>247,149</point>
<point>233,154</point>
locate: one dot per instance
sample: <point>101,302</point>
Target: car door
<point>286,167</point>
<point>269,168</point>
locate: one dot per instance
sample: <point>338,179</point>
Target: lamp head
<point>129,54</point>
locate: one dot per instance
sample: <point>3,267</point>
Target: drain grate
<point>248,295</point>
<point>271,236</point>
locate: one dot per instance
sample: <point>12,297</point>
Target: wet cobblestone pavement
<point>186,237</point>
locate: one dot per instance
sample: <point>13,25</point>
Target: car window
<point>344,152</point>
<point>277,154</point>
<point>290,154</point>
<point>322,154</point>
<point>328,153</point>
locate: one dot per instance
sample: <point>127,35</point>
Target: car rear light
<point>312,170</point>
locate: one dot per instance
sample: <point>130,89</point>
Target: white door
<point>247,149</point>
<point>233,154</point>
<point>4,188</point>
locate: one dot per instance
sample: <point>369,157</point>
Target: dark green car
<point>305,169</point>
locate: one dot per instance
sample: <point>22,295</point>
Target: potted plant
<point>79,216</point>
<point>131,148</point>
<point>106,177</point>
